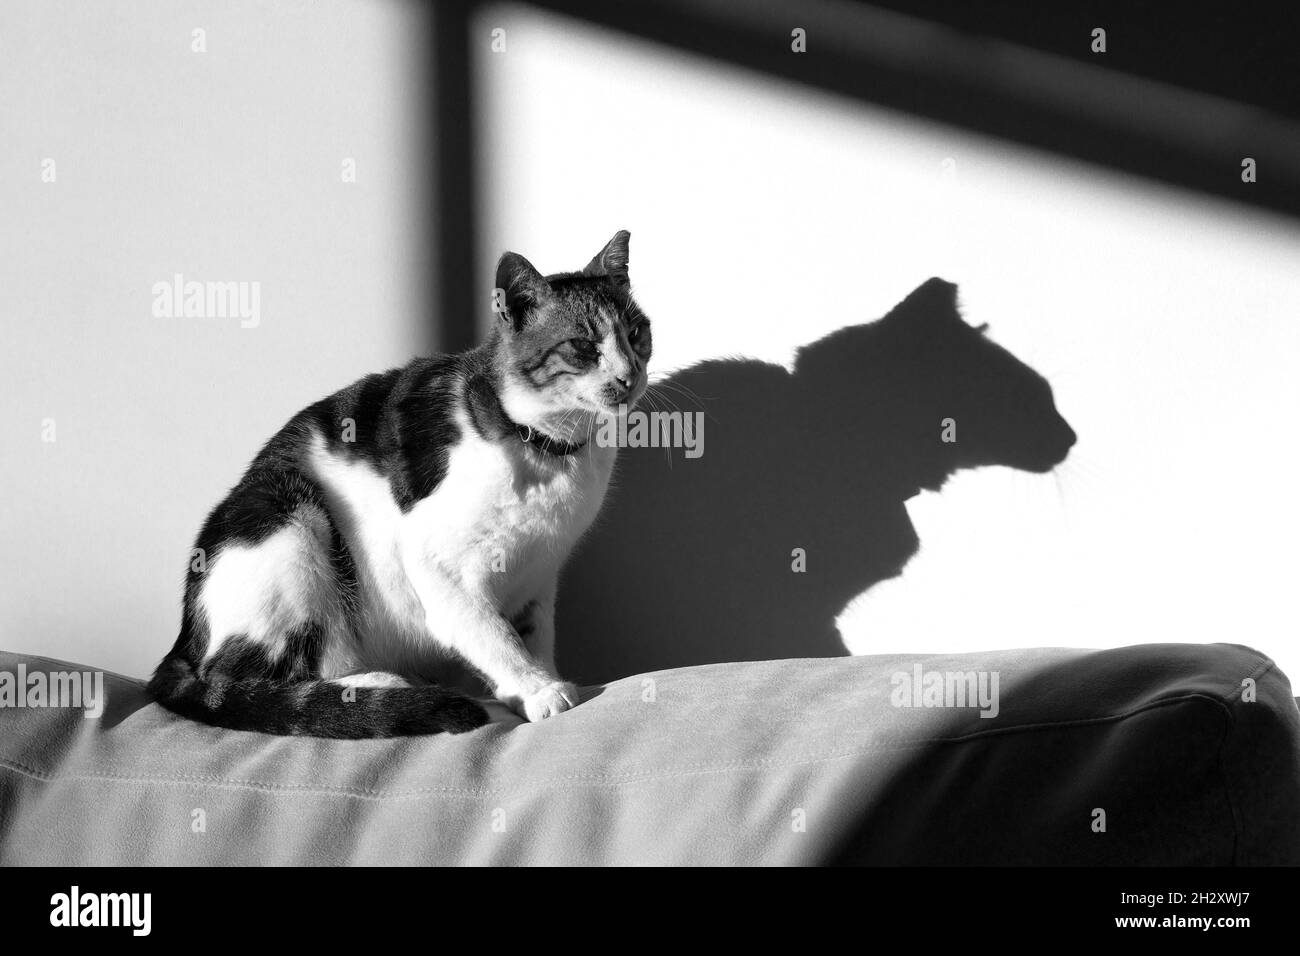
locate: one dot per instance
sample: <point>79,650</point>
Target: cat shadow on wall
<point>796,502</point>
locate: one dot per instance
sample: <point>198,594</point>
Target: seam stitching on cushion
<point>588,779</point>
<point>1229,725</point>
<point>1265,665</point>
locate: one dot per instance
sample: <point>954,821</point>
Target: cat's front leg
<point>535,624</point>
<point>470,625</point>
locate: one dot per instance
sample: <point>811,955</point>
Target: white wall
<point>1168,323</point>
<point>224,165</point>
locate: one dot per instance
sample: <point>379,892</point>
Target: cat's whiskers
<point>650,395</point>
<point>655,392</point>
<point>667,404</point>
<point>691,395</point>
<point>668,382</point>
<point>568,434</point>
<point>1060,498</point>
<point>1084,467</point>
<point>685,391</point>
<point>661,402</point>
<point>657,401</point>
<point>561,430</point>
<point>1081,475</point>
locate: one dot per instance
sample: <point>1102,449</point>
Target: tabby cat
<point>415,519</point>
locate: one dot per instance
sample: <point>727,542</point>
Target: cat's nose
<point>1065,440</point>
<point>621,386</point>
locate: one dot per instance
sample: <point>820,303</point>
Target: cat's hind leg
<point>266,615</point>
<point>280,595</point>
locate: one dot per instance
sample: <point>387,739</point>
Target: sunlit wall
<point>764,216</point>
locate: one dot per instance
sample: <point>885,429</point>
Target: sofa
<point>1154,754</point>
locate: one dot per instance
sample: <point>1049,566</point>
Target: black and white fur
<point>350,565</point>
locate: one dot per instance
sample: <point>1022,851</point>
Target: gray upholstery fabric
<point>785,762</point>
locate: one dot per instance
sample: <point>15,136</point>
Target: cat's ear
<point>938,291</point>
<point>523,287</point>
<point>612,260</point>
<point>932,304</point>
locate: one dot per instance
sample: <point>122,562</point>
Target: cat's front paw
<point>548,701</point>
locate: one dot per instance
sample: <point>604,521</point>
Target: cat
<point>797,505</point>
<point>415,521</point>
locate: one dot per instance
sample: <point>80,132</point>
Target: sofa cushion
<point>1191,753</point>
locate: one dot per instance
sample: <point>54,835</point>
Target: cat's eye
<point>635,333</point>
<point>584,347</point>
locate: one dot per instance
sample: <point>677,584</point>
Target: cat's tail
<point>311,708</point>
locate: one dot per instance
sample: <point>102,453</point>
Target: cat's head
<point>572,344</point>
<point>944,388</point>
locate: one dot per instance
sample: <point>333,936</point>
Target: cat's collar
<point>552,446</point>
